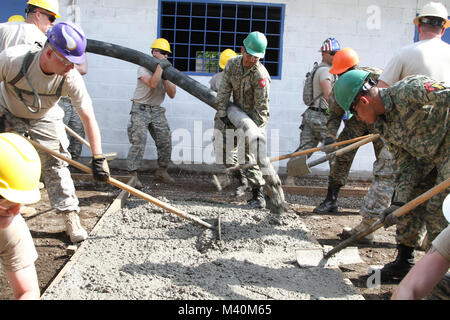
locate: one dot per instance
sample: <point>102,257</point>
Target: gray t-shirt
<point>146,95</point>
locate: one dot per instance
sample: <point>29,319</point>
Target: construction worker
<point>27,99</point>
<point>245,71</point>
<point>314,119</point>
<point>20,169</point>
<point>40,16</point>
<point>411,116</point>
<point>431,57</point>
<point>147,114</point>
<point>225,179</point>
<point>380,193</point>
<point>16,18</point>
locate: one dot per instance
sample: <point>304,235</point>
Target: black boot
<point>401,265</point>
<point>243,184</point>
<point>330,202</point>
<point>258,201</point>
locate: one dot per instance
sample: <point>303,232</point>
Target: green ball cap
<point>255,44</point>
<point>347,88</point>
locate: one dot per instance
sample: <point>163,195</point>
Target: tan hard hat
<point>433,9</point>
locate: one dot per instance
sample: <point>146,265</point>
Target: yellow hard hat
<point>16,17</point>
<point>20,169</point>
<point>433,9</point>
<point>226,55</point>
<point>49,5</point>
<point>161,44</point>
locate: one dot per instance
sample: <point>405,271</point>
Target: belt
<point>318,110</point>
<point>143,106</point>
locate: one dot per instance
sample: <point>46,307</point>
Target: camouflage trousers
<point>73,121</point>
<point>152,119</point>
<point>49,132</point>
<point>429,214</point>
<point>379,196</point>
<point>231,148</point>
<point>313,129</point>
<point>341,166</point>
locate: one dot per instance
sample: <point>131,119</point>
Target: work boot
<point>162,175</point>
<point>138,183</point>
<point>243,184</point>
<point>401,265</point>
<point>27,211</point>
<point>73,227</point>
<point>290,181</point>
<point>330,202</point>
<point>347,232</point>
<point>258,201</point>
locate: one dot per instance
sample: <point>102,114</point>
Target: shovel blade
<point>298,166</point>
<point>315,257</point>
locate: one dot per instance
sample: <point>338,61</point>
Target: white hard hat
<point>446,207</point>
<point>434,9</point>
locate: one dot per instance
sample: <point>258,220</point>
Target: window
<point>199,30</point>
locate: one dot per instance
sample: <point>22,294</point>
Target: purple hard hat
<point>69,39</point>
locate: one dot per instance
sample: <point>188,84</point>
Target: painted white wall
<point>374,30</point>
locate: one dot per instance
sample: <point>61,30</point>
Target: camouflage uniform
<point>73,121</point>
<point>152,119</point>
<point>415,130</point>
<point>250,91</point>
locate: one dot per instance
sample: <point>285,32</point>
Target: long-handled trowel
<point>288,156</point>
<point>340,254</point>
<point>299,166</point>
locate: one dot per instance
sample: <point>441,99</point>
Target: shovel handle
<point>125,187</point>
<point>398,213</point>
<point>76,135</point>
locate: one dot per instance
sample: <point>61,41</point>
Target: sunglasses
<point>164,53</point>
<point>332,53</point>
<point>51,17</point>
<point>432,22</point>
<point>364,90</point>
<point>65,62</point>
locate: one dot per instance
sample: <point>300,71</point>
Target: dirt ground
<point>51,242</point>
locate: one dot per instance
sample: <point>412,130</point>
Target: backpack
<point>308,93</point>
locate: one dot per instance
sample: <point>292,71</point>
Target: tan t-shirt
<point>427,57</point>
<point>17,249</point>
<point>15,33</point>
<point>146,95</point>
<point>10,63</point>
<point>442,243</point>
<point>322,73</point>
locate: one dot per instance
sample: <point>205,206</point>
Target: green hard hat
<point>255,44</point>
<point>347,88</point>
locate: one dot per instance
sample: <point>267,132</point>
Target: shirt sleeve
<point>224,93</point>
<point>261,103</point>
<point>335,114</point>
<point>77,91</point>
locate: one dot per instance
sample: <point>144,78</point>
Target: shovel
<point>108,156</point>
<point>299,166</point>
<point>287,156</point>
<point>317,257</point>
<point>126,187</point>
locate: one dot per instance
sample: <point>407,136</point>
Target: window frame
<point>278,51</point>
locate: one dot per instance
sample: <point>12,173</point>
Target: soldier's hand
<point>100,168</point>
<point>164,63</point>
<point>388,218</point>
<point>329,140</point>
<point>226,121</point>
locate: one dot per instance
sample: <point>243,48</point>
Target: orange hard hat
<point>343,60</point>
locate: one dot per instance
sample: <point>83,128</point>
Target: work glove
<point>100,168</point>
<point>388,218</point>
<point>164,63</point>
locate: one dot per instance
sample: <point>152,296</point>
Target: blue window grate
<point>199,30</point>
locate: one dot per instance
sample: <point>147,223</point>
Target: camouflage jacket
<point>414,127</point>
<point>335,113</point>
<point>249,88</point>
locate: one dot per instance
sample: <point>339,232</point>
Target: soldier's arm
<point>224,94</point>
<point>335,114</point>
<point>261,102</point>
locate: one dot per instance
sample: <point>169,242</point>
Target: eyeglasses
<point>64,61</point>
<point>51,17</point>
<point>365,88</point>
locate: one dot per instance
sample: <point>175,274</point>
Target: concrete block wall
<point>374,29</point>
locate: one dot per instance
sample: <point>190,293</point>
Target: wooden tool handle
<point>76,135</point>
<point>125,187</point>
